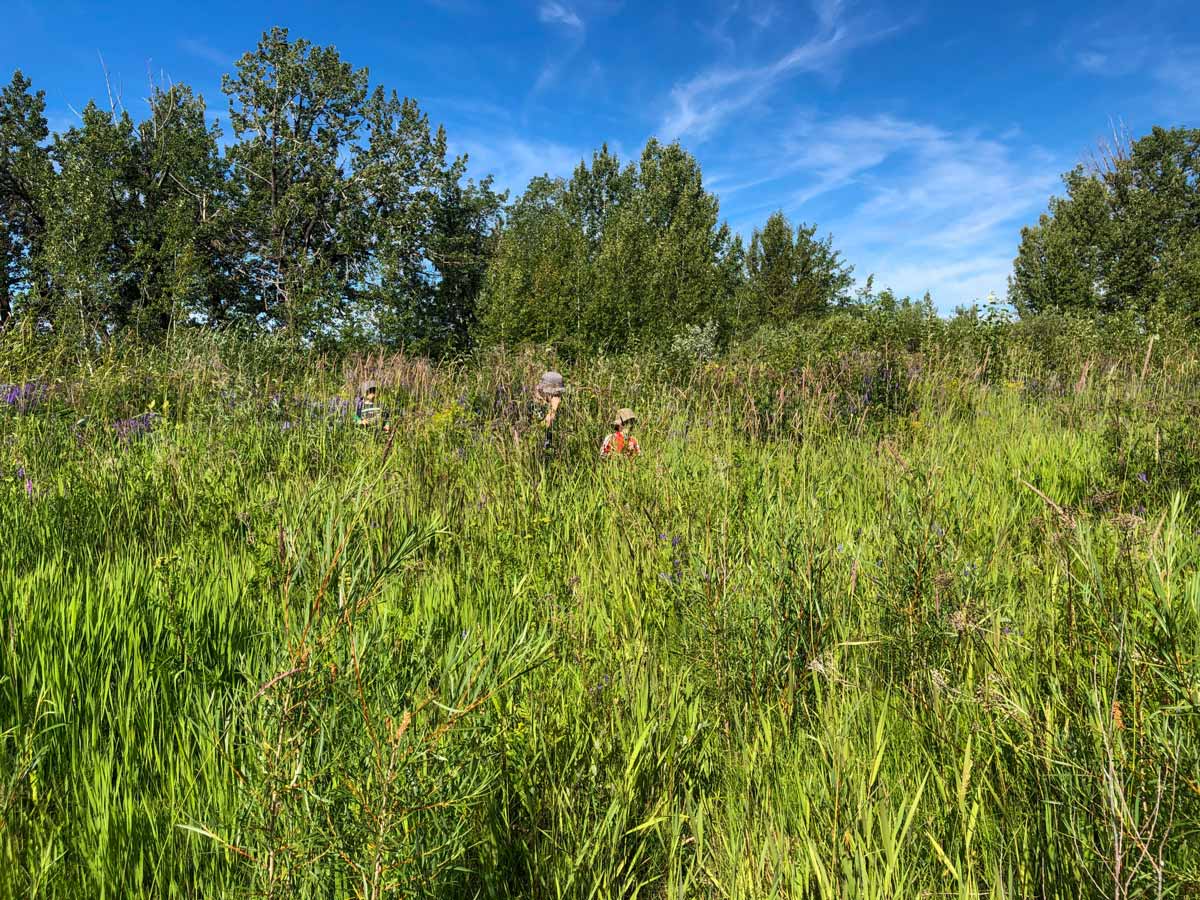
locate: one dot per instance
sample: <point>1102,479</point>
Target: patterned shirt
<point>619,443</point>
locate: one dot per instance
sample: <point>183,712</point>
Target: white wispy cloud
<point>923,193</point>
<point>201,49</point>
<point>555,13</point>
<point>1165,66</point>
<point>762,14</point>
<point>1178,77</point>
<point>515,160</point>
<point>922,207</point>
<point>700,106</point>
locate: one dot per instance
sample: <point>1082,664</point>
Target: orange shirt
<point>618,443</point>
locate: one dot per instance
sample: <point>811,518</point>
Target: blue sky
<point>922,135</point>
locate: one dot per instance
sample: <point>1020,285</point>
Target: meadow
<point>875,624</point>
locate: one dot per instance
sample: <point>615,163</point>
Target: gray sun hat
<point>367,386</point>
<point>551,385</point>
<point>624,416</point>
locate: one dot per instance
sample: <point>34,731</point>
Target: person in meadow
<point>366,410</point>
<point>621,442</point>
<point>549,392</point>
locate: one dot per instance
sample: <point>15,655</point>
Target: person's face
<point>371,394</point>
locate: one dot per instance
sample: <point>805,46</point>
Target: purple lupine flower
<point>23,397</point>
<point>29,487</point>
<point>128,429</point>
<point>1143,478</point>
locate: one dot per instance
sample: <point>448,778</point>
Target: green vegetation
<point>1126,236</point>
<point>916,615</point>
<point>891,605</point>
<point>333,214</point>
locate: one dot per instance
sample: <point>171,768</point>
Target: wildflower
<point>128,429</point>
<point>23,397</point>
<point>1143,478</point>
<point>28,487</point>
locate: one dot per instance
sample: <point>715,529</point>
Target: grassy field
<point>881,627</point>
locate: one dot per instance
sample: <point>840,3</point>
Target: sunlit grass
<point>851,632</point>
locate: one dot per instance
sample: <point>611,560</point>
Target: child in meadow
<point>366,412</point>
<point>621,442</point>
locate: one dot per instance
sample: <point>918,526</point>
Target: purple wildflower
<point>1143,478</point>
<point>23,397</point>
<point>128,429</point>
<point>29,487</point>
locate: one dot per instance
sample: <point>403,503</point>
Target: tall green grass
<point>880,626</point>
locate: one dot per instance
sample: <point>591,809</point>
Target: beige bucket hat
<point>551,384</point>
<point>624,416</point>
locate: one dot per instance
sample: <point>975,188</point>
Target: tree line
<point>334,212</point>
<point>1125,237</point>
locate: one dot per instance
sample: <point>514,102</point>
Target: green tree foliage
<point>93,222</point>
<point>790,277</point>
<point>25,177</point>
<point>182,259</point>
<point>295,110</point>
<point>136,224</point>
<point>616,256</point>
<point>465,226</point>
<point>350,216</point>
<point>334,214</point>
<point>1126,237</point>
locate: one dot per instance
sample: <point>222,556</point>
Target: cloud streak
<point>699,107</point>
<point>515,160</point>
<point>922,207</point>
<point>555,13</point>
<point>926,194</point>
<point>201,49</point>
